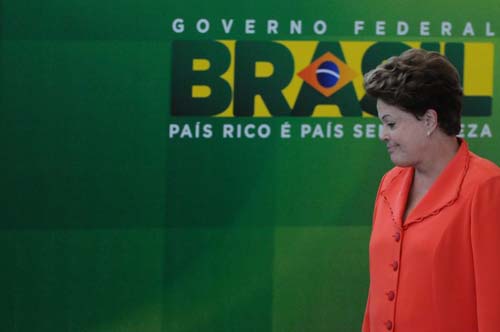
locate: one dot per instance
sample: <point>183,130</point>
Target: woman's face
<point>404,135</point>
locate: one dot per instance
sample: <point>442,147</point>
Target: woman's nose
<point>383,135</point>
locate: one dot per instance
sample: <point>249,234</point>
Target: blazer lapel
<point>396,194</point>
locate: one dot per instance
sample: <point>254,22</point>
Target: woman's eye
<point>391,125</point>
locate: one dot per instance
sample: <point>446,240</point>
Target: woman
<point>435,243</point>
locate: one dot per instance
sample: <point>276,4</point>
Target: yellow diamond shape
<point>344,75</point>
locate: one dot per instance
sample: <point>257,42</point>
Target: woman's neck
<point>440,152</point>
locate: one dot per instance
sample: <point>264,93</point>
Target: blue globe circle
<point>328,74</point>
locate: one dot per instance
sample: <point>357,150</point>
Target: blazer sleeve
<point>366,319</point>
<point>485,238</point>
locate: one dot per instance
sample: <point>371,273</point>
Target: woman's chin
<point>400,162</point>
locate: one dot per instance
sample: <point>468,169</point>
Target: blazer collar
<point>443,192</point>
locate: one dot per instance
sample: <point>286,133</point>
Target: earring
<point>428,133</point>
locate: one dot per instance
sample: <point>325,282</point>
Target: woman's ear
<point>430,120</point>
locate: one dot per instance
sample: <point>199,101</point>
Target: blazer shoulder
<point>482,170</point>
<point>390,176</point>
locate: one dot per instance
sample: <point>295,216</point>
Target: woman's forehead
<point>385,110</point>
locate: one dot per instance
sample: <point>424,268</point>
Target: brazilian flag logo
<point>327,74</point>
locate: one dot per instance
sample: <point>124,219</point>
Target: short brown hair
<point>418,80</point>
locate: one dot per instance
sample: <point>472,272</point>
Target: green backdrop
<point>112,220</point>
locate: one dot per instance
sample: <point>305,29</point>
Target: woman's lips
<point>391,148</point>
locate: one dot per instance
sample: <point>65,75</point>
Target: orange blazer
<point>439,271</point>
